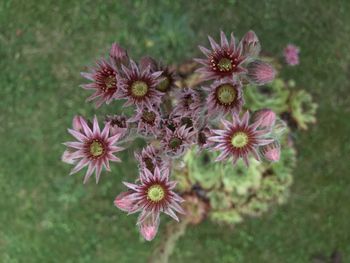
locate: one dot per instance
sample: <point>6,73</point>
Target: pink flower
<point>225,96</point>
<point>93,149</point>
<point>250,44</point>
<point>104,82</point>
<point>238,139</point>
<point>223,60</point>
<point>291,55</point>
<point>147,120</point>
<point>138,86</point>
<point>271,152</point>
<point>151,196</point>
<point>260,73</point>
<point>266,117</point>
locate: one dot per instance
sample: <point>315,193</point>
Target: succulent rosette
<point>190,132</point>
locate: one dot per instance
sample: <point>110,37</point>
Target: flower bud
<point>250,44</point>
<point>291,55</point>
<point>123,201</point>
<point>260,73</point>
<point>117,53</point>
<point>266,117</point>
<point>271,152</point>
<point>149,228</point>
<point>77,123</point>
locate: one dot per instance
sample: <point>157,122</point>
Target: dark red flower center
<point>148,117</point>
<point>224,62</point>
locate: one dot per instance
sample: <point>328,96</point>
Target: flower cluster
<point>173,120</point>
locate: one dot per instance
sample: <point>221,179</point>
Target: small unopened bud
<point>271,152</point>
<point>266,117</point>
<point>123,201</point>
<point>149,228</point>
<point>260,73</point>
<point>118,53</point>
<point>148,62</point>
<point>77,123</point>
<point>291,55</point>
<point>251,45</point>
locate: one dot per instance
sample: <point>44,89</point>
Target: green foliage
<point>303,109</point>
<point>273,96</point>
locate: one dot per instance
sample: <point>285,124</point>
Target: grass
<point>47,216</point>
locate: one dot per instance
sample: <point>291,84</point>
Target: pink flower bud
<point>118,53</point>
<point>271,152</point>
<point>251,44</point>
<point>77,123</point>
<point>124,202</point>
<point>266,117</point>
<point>260,73</point>
<point>291,55</point>
<point>148,61</point>
<point>149,228</point>
<point>67,157</point>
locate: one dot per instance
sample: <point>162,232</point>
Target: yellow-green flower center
<point>96,148</point>
<point>175,142</point>
<point>226,94</point>
<point>110,82</point>
<point>155,193</point>
<point>225,64</point>
<point>239,139</point>
<point>163,86</point>
<point>139,89</point>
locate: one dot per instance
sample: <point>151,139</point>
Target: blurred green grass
<point>46,216</point>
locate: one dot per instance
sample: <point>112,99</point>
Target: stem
<point>165,248</point>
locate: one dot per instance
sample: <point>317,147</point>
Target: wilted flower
<point>188,102</point>
<point>223,60</point>
<point>149,158</point>
<point>260,73</point>
<point>176,141</point>
<point>225,96</point>
<point>138,86</point>
<point>147,120</point>
<point>271,152</point>
<point>117,124</point>
<point>291,55</point>
<point>154,194</point>
<point>238,139</point>
<point>251,44</point>
<point>93,149</point>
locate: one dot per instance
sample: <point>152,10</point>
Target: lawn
<point>47,216</point>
